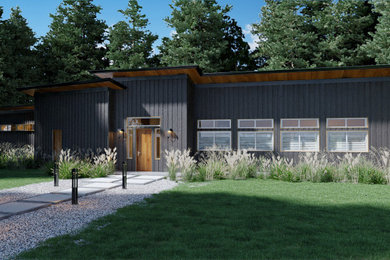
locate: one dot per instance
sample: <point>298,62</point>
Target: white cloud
<point>173,32</point>
<point>251,39</point>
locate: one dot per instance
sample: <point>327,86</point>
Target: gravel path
<point>23,232</point>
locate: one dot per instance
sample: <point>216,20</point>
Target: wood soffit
<point>262,76</point>
<point>71,87</point>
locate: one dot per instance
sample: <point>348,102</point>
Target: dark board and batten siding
<point>165,97</point>
<point>365,97</point>
<point>81,115</point>
<point>17,137</point>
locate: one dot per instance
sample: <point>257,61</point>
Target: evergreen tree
<point>379,47</point>
<point>204,35</point>
<point>323,33</point>
<point>286,42</point>
<point>17,58</point>
<point>74,43</point>
<point>130,43</point>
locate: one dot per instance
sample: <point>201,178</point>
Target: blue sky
<point>37,13</point>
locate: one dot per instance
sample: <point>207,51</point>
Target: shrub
<point>17,157</point>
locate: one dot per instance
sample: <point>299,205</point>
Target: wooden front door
<point>144,149</point>
<point>57,143</point>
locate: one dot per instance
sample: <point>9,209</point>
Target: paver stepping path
<point>86,187</point>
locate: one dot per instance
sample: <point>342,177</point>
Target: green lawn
<point>252,219</point>
<point>16,178</point>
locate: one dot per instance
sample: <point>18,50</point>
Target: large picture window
<point>220,140</point>
<point>256,141</point>
<point>347,141</point>
<point>300,141</point>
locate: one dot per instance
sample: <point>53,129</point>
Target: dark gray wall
<point>164,96</point>
<point>17,117</point>
<point>81,115</point>
<point>365,97</point>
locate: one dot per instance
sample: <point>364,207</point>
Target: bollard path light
<point>55,173</point>
<point>124,175</point>
<point>75,180</point>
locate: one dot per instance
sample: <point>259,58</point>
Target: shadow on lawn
<point>225,226</point>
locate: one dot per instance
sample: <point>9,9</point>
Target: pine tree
<point>204,35</point>
<point>17,58</point>
<point>379,47</point>
<point>305,33</point>
<point>130,43</point>
<point>73,46</point>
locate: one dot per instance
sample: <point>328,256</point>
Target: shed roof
<point>72,86</point>
<point>196,75</point>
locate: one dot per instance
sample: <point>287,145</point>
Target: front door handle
<point>138,153</point>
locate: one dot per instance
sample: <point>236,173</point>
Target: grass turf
<point>16,178</point>
<point>252,219</point>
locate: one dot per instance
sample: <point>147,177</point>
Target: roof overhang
<point>198,77</point>
<point>73,86</point>
<point>17,108</point>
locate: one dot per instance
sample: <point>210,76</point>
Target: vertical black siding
<point>83,117</point>
<point>366,97</point>
<point>165,97</point>
<point>17,117</point>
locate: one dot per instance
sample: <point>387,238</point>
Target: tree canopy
<point>204,34</point>
<point>379,47</point>
<point>130,43</point>
<point>304,34</point>
<point>18,63</point>
<point>74,43</point>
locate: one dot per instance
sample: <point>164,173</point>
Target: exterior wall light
<point>172,135</point>
<point>124,163</point>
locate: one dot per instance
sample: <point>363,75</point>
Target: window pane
<point>247,141</point>
<point>357,141</point>
<point>290,141</point>
<point>206,124</point>
<point>222,140</point>
<point>144,121</point>
<point>309,141</point>
<point>264,123</point>
<point>289,123</point>
<point>310,123</point>
<point>130,143</point>
<point>247,124</point>
<point>222,123</point>
<point>158,144</point>
<point>205,140</point>
<point>264,142</point>
<point>337,141</point>
<point>336,122</point>
<point>356,122</point>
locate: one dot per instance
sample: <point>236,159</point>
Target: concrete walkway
<point>86,187</point>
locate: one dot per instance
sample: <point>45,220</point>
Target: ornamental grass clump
<point>172,158</point>
<point>17,157</point>
<point>314,167</point>
<point>241,164</point>
<point>187,166</point>
<point>90,165</point>
<point>213,165</point>
<point>282,169</point>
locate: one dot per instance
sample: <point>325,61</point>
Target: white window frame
<point>254,123</point>
<point>214,120</point>
<point>348,131</point>
<point>255,132</point>
<point>299,131</point>
<point>299,123</point>
<point>346,120</point>
<point>214,132</point>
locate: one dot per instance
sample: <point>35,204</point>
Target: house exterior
<point>144,112</point>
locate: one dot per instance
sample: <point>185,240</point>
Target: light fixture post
<point>55,173</point>
<point>75,180</point>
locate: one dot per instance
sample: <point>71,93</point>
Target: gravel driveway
<point>22,232</point>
